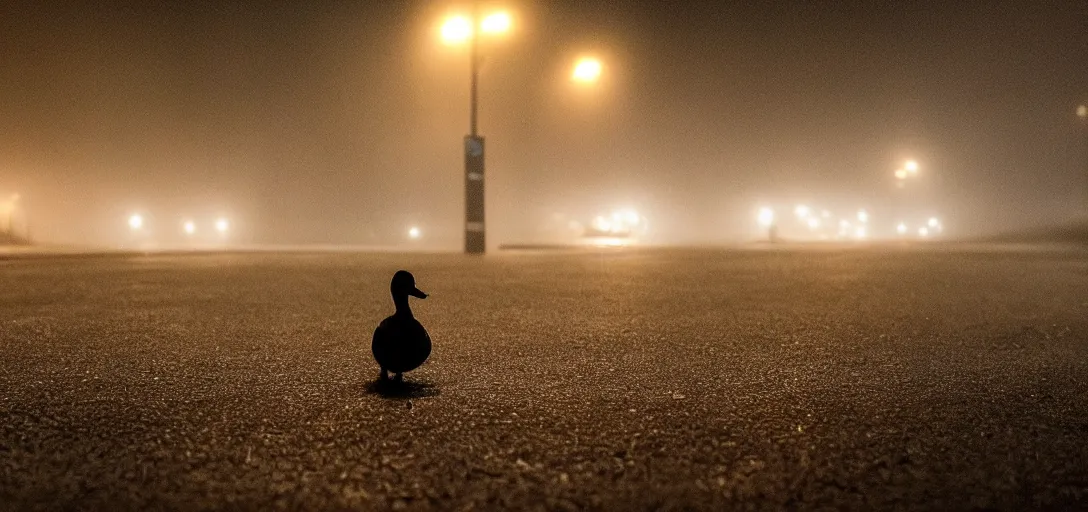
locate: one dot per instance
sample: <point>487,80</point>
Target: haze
<point>338,122</point>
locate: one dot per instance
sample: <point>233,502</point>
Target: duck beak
<point>417,293</point>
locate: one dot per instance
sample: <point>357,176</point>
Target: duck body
<point>401,343</point>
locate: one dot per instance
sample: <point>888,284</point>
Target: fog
<point>342,123</point>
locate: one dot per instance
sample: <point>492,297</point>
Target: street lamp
<point>496,23</point>
<point>587,70</point>
<point>222,225</point>
<point>460,30</point>
<point>136,222</point>
<point>1082,113</point>
<point>456,30</point>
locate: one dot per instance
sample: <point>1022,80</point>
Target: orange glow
<point>587,70</point>
<point>456,30</point>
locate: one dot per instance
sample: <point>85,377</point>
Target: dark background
<point>341,122</point>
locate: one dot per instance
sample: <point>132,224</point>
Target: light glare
<point>456,30</point>
<point>189,227</point>
<point>496,23</point>
<point>587,70</point>
<point>414,233</point>
<point>765,217</point>
<point>602,224</point>
<point>136,222</point>
<point>222,225</point>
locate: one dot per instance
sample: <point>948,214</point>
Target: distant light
<point>765,217</point>
<point>813,223</point>
<point>1082,111</point>
<point>933,222</point>
<point>802,211</point>
<point>631,217</point>
<point>863,216</point>
<point>611,242</point>
<point>136,222</point>
<point>414,233</point>
<point>496,23</point>
<point>602,224</point>
<point>189,227</point>
<point>587,70</point>
<point>456,30</point>
<point>222,225</point>
<point>911,166</point>
<point>860,233</point>
<point>923,232</point>
<point>844,228</point>
<point>901,174</point>
<point>825,214</point>
<point>901,229</point>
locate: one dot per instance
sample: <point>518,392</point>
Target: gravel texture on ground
<point>907,378</point>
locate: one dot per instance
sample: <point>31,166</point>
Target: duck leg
<point>398,377</point>
<point>384,375</point>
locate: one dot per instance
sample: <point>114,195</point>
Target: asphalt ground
<point>926,378</point>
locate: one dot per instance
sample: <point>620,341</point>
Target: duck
<point>401,344</point>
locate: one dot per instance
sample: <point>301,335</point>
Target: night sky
<point>341,122</point>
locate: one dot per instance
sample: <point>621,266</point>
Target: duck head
<point>403,285</point>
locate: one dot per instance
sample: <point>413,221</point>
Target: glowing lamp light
<point>136,222</point>
<point>587,70</point>
<point>189,227</point>
<point>860,233</point>
<point>923,232</point>
<point>602,224</point>
<point>456,30</point>
<point>414,233</point>
<point>1082,111</point>
<point>611,242</point>
<point>863,216</point>
<point>933,222</point>
<point>844,228</point>
<point>900,174</point>
<point>813,223</point>
<point>222,225</point>
<point>496,23</point>
<point>802,211</point>
<point>765,217</point>
<point>911,166</point>
<point>901,229</point>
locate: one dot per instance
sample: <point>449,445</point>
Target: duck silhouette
<point>401,343</point>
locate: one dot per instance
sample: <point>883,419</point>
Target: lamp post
<point>1082,113</point>
<point>459,30</point>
